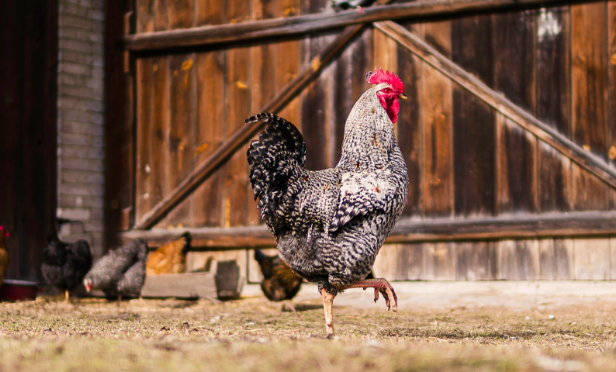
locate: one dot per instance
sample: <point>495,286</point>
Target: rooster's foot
<point>381,286</point>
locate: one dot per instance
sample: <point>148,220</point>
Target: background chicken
<point>65,264</point>
<point>330,224</point>
<point>120,272</point>
<point>169,258</point>
<point>4,256</point>
<point>279,282</point>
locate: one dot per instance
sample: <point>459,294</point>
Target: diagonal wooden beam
<point>497,101</point>
<point>298,25</point>
<point>241,136</point>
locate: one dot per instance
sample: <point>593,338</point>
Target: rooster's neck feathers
<point>369,135</point>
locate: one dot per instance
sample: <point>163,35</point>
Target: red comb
<point>378,77</point>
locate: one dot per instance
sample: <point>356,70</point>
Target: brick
<point>97,214</point>
<point>84,152</point>
<point>65,8</point>
<point>82,128</point>
<point>79,176</point>
<point>98,26</point>
<point>86,3</point>
<point>94,226</point>
<point>79,57</point>
<point>76,115</point>
<point>75,68</point>
<point>72,103</point>
<point>98,49</point>
<point>76,45</point>
<point>81,140</point>
<point>98,72</point>
<point>95,106</point>
<point>81,189</point>
<point>95,83</point>
<point>69,79</point>
<point>98,61</point>
<point>91,165</point>
<point>75,21</point>
<point>80,92</point>
<point>80,201</point>
<point>73,213</point>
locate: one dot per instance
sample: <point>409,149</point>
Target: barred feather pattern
<point>330,224</point>
<point>121,271</point>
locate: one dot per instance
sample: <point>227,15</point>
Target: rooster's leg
<point>119,300</point>
<point>328,301</point>
<point>66,295</point>
<point>380,285</point>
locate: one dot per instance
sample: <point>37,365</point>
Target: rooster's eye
<point>386,90</point>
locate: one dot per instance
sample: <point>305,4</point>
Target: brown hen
<point>169,258</point>
<point>279,283</point>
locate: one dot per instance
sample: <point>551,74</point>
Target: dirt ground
<point>439,327</point>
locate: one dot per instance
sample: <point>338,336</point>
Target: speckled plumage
<point>121,271</point>
<point>330,224</point>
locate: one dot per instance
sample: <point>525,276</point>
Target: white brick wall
<point>80,121</point>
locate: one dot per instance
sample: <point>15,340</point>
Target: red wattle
<point>391,106</point>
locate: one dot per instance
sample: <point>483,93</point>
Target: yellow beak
<point>403,96</point>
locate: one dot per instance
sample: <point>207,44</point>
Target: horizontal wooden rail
<point>293,26</point>
<point>243,134</point>
<point>408,231</point>
<point>528,122</point>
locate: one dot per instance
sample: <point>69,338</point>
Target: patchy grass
<point>254,335</point>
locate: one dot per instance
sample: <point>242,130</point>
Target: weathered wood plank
<point>236,99</point>
<point>565,258</point>
<point>592,259</point>
<point>589,98</point>
<point>545,133</point>
<point>392,262</point>
<point>160,130</point>
<point>514,76</point>
<point>473,122</point>
<point>613,257</point>
<point>548,267</point>
<point>439,261</point>
<point>200,259</point>
<point>143,182</point>
<point>409,125</point>
<point>197,285</point>
<point>240,136</point>
<point>516,168</point>
<point>209,135</point>
<point>518,259</point>
<point>554,106</point>
<point>437,119</point>
<point>161,15</point>
<point>179,154</point>
<point>145,15</point>
<point>292,26</point>
<point>611,115</point>
<point>476,261</point>
<point>181,14</point>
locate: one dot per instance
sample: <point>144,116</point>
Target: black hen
<point>279,281</point>
<point>120,272</point>
<point>65,264</point>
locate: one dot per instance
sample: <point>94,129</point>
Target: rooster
<point>169,258</point>
<point>4,256</point>
<point>65,264</point>
<point>120,272</point>
<point>279,283</point>
<point>330,224</point>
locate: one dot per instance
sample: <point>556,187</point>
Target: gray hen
<point>330,224</point>
<point>120,272</point>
